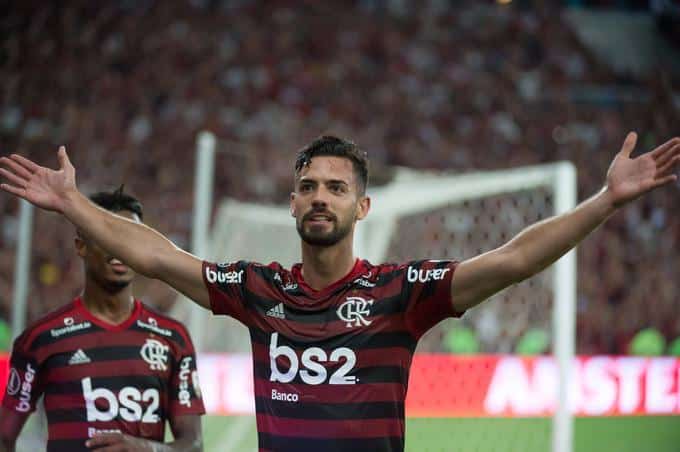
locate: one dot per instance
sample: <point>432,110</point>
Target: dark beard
<point>324,239</point>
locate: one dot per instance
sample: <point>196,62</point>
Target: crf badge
<point>155,353</point>
<point>354,310</point>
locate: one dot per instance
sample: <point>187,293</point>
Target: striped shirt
<point>95,376</point>
<point>331,367</point>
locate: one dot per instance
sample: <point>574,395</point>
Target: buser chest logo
<point>354,311</point>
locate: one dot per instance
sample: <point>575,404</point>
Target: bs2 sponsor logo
<point>126,403</point>
<point>313,371</point>
<point>232,277</point>
<point>423,276</point>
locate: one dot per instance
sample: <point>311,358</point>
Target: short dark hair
<point>117,201</point>
<point>329,145</point>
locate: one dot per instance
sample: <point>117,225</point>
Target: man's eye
<point>305,187</point>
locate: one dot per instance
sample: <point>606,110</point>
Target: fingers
<point>16,191</point>
<point>629,144</point>
<point>669,166</point>
<point>63,157</point>
<point>104,439</point>
<point>667,155</point>
<point>13,178</point>
<point>16,167</point>
<point>661,150</point>
<point>26,163</point>
<point>663,181</point>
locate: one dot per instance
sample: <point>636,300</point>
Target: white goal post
<point>410,193</point>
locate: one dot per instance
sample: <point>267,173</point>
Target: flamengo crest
<point>354,310</point>
<point>155,353</point>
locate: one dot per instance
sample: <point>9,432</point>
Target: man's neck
<point>322,266</point>
<point>114,308</point>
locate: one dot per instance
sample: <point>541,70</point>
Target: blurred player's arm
<point>145,250</point>
<point>11,423</point>
<point>541,244</point>
<point>186,430</point>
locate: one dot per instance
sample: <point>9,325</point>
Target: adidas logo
<point>79,357</point>
<point>277,311</point>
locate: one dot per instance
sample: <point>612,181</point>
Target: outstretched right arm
<point>142,248</point>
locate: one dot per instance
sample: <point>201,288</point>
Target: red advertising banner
<point>482,385</point>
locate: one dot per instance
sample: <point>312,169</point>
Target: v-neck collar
<point>136,310</point>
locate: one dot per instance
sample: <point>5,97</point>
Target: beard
<point>316,237</point>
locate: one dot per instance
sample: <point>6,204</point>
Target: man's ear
<point>293,213</point>
<point>81,246</point>
<point>363,206</point>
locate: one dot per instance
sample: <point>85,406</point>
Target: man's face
<point>100,267</point>
<point>326,202</point>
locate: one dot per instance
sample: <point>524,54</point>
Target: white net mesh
<point>466,229</point>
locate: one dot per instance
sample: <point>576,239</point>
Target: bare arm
<point>543,243</point>
<point>11,424</point>
<point>139,246</point>
<point>186,429</point>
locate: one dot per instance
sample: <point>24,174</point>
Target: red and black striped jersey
<point>331,367</point>
<point>95,376</point>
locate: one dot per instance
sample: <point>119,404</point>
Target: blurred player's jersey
<point>331,367</point>
<point>95,377</point>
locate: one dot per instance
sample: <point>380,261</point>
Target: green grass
<point>619,434</point>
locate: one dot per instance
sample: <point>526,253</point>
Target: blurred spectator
<point>648,342</point>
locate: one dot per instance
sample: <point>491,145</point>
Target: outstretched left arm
<point>543,243</point>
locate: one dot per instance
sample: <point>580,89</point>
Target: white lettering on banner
<point>423,276</point>
<point>659,398</point>
<point>26,388</point>
<point>629,371</point>
<point>314,372</point>
<point>126,404</point>
<point>184,396</point>
<point>599,387</point>
<point>232,277</point>
<point>284,396</point>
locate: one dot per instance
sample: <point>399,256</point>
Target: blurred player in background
<point>333,337</point>
<point>111,370</point>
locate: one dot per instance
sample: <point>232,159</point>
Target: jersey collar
<point>360,267</point>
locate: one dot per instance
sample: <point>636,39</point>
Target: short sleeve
<point>185,398</point>
<point>427,285</point>
<point>226,287</point>
<point>24,385</point>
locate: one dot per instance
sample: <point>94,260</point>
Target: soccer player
<point>333,337</point>
<point>111,370</point>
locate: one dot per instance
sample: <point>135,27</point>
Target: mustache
<point>313,212</point>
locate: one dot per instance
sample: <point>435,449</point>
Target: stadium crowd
<point>126,85</point>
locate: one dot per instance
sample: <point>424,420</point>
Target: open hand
<point>44,187</point>
<point>628,178</point>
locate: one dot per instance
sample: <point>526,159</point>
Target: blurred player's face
<point>326,203</point>
<point>101,268</point>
